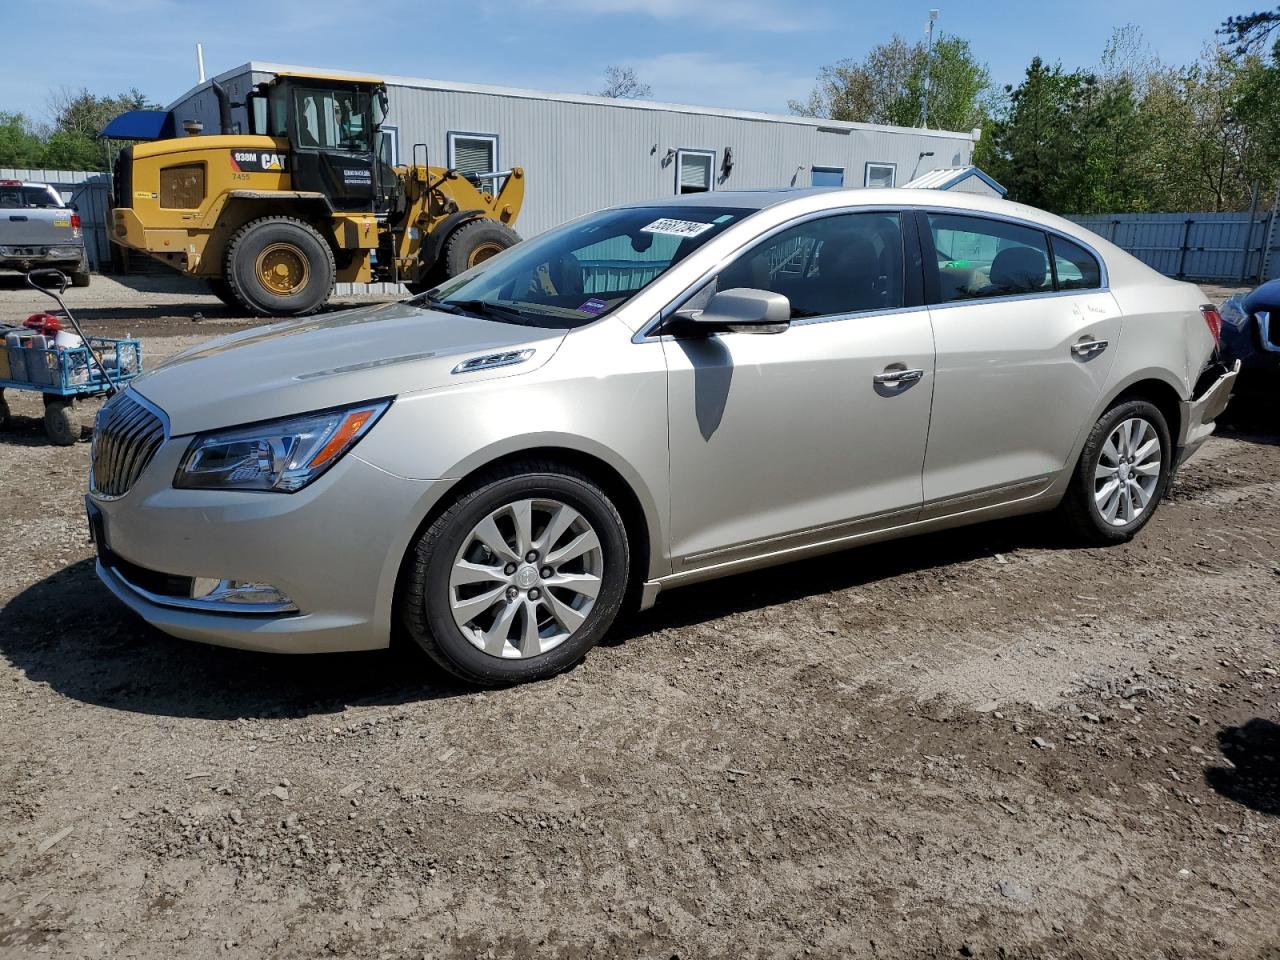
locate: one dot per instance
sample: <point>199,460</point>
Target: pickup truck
<point>38,230</point>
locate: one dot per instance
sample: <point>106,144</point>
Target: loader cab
<point>332,126</point>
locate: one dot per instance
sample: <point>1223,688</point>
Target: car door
<point>1026,332</point>
<point>780,441</point>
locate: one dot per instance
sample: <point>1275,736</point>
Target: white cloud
<point>707,80</point>
<point>742,14</point>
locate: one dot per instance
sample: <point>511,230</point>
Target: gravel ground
<point>981,743</point>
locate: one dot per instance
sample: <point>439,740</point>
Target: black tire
<point>474,242</point>
<point>61,424</point>
<point>1080,511</point>
<point>80,278</point>
<point>424,598</point>
<point>304,249</point>
<point>219,287</point>
<point>6,418</point>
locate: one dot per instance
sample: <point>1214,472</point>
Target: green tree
<point>83,113</point>
<point>20,142</point>
<point>887,86</point>
<point>1033,147</point>
<point>1250,31</point>
<point>74,141</point>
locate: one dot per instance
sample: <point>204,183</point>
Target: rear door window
<point>979,258</point>
<point>1076,267</point>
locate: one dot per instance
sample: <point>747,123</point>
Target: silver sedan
<point>644,398</point>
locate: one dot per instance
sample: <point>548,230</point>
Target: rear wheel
<point>80,278</point>
<point>5,416</point>
<point>1122,474</point>
<point>475,242</point>
<point>519,578</point>
<point>280,267</point>
<point>61,424</point>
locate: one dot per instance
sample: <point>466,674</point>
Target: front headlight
<point>1234,313</point>
<point>281,456</point>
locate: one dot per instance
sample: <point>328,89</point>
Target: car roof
<point>873,197</point>
<point>742,199</point>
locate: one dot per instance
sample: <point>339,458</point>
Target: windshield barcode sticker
<point>677,228</point>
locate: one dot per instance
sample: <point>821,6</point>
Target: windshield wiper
<point>479,308</point>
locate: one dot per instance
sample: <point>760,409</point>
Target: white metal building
<point>582,152</point>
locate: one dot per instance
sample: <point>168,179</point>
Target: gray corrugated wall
<point>583,156</point>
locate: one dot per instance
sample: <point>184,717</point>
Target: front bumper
<point>1199,413</point>
<point>334,548</point>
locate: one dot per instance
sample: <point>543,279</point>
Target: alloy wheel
<point>526,578</point>
<point>1127,472</point>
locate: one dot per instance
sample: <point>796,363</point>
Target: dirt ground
<point>984,743</point>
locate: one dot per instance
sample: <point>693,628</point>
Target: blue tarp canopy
<point>141,125</point>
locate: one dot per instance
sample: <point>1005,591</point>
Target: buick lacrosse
<point>643,398</point>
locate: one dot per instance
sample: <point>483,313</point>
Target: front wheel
<point>1122,474</point>
<point>61,424</point>
<point>280,267</point>
<point>519,578</point>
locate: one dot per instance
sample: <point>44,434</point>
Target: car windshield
<point>572,275</point>
<point>18,197</point>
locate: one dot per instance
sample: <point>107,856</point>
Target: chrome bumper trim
<point>189,603</point>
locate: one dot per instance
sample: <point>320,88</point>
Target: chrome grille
<point>126,436</point>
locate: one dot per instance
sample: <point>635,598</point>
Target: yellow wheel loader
<point>272,219</point>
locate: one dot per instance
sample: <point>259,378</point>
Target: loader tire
<point>221,289</point>
<point>475,242</point>
<point>280,267</point>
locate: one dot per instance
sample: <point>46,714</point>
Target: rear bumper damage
<point>1200,412</point>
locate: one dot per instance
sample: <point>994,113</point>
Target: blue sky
<point>748,54</point>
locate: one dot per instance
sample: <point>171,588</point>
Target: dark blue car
<point>1251,334</point>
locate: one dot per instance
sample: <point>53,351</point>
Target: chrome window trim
<point>1008,298</point>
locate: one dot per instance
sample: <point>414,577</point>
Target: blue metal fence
<point>1223,247</point>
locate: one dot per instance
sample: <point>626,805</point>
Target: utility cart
<point>64,374</point>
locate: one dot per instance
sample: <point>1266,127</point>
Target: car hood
<point>316,362</point>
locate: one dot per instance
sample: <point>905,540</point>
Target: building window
<point>828,176</point>
<point>472,154</point>
<point>881,175</point>
<point>389,144</point>
<point>693,170</point>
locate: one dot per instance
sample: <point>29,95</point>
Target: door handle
<point>1089,348</point>
<point>899,376</point>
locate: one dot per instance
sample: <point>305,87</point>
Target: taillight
<point>75,221</point>
<point>1213,320</point>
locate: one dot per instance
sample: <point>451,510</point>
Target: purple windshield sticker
<point>593,306</point>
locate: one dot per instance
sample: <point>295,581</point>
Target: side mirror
<point>740,310</point>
